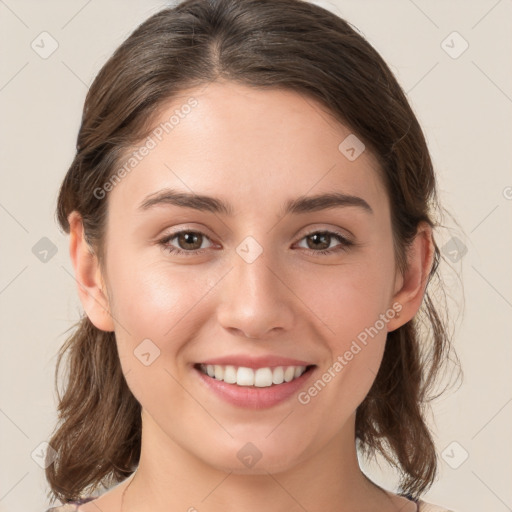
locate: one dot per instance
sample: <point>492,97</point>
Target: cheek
<point>354,304</point>
<point>156,312</point>
<point>150,299</point>
<point>348,300</point>
<point>354,312</point>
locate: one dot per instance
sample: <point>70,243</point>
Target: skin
<point>255,150</point>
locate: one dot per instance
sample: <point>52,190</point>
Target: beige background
<point>464,105</point>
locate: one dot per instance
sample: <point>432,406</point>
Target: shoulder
<point>72,506</point>
<point>423,506</point>
<point>69,507</point>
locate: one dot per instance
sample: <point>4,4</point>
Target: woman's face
<point>253,286</point>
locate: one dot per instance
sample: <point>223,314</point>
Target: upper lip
<point>255,362</point>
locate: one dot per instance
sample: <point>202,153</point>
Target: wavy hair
<point>287,44</point>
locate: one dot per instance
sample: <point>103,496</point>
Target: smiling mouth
<point>253,377</point>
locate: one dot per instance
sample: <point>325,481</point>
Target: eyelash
<point>343,246</point>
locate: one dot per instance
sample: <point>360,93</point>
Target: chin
<point>257,455</point>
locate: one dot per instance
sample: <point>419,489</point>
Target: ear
<point>410,286</point>
<point>91,286</point>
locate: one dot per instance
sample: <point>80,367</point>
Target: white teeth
<point>230,374</point>
<point>278,375</point>
<point>219,372</point>
<point>245,376</point>
<point>289,373</point>
<point>261,377</point>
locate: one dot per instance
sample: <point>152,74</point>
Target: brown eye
<point>185,242</point>
<point>189,240</point>
<point>319,240</point>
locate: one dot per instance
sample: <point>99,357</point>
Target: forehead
<point>248,146</point>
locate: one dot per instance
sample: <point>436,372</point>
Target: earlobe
<point>91,285</point>
<point>411,285</point>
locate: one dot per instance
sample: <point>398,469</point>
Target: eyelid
<point>165,240</point>
<point>346,235</point>
<point>202,230</point>
<point>344,242</point>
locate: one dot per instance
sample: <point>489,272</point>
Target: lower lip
<point>253,397</point>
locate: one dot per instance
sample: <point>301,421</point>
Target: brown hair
<point>289,44</point>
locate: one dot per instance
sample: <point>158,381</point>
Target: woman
<point>250,212</point>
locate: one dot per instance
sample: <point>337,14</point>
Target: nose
<point>256,300</point>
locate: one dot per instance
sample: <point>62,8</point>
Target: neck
<point>169,478</point>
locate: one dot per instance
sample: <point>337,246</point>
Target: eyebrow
<point>302,204</point>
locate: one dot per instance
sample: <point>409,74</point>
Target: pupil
<point>189,239</point>
<point>317,237</point>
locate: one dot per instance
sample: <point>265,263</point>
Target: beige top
<point>422,507</point>
<point>429,507</point>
